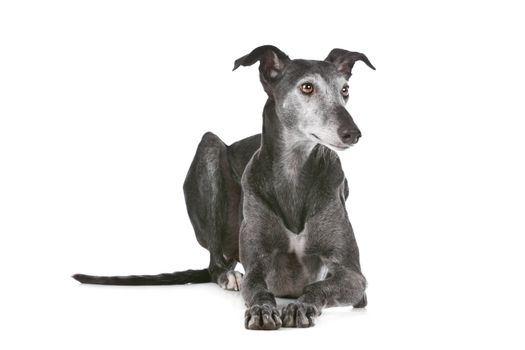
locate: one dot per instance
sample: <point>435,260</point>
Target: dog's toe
<point>362,303</point>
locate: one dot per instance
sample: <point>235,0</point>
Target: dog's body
<point>276,201</point>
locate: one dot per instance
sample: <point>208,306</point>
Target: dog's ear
<point>345,60</point>
<point>272,63</point>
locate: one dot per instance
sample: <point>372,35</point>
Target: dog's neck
<point>292,165</point>
<point>286,149</point>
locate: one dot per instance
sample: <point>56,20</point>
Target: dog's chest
<point>294,267</point>
<point>297,243</point>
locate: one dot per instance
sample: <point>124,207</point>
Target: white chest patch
<point>297,243</point>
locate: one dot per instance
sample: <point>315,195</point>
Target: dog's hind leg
<point>212,199</point>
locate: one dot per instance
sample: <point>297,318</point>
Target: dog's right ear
<point>272,63</point>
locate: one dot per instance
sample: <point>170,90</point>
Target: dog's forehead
<point>299,68</point>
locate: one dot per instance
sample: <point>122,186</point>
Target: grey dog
<point>276,201</point>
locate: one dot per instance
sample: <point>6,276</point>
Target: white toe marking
<point>238,278</point>
<point>234,280</point>
<point>231,280</point>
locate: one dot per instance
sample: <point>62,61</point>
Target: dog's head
<point>310,96</point>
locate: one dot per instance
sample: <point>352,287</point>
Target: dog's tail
<point>180,277</point>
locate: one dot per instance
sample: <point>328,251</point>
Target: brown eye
<point>344,91</point>
<point>307,88</point>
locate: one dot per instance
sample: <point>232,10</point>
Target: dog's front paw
<point>264,317</point>
<point>299,314</point>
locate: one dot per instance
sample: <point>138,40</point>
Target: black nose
<point>349,136</point>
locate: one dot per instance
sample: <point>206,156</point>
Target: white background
<point>102,105</point>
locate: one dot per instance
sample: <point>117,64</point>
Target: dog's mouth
<point>340,147</point>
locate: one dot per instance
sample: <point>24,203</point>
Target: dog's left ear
<point>345,60</point>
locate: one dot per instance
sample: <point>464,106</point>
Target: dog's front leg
<point>344,287</point>
<point>262,312</point>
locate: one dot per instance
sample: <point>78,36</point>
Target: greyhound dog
<point>276,201</point>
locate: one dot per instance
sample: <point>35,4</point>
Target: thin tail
<point>180,277</point>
